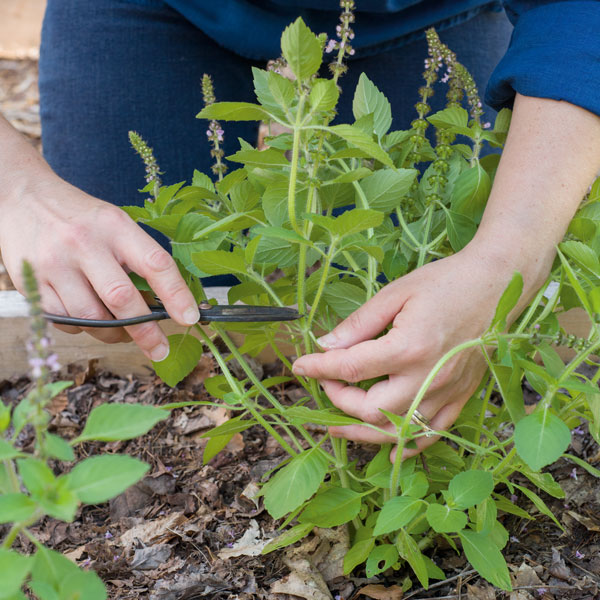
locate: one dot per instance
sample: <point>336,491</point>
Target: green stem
<point>234,384</point>
<point>415,403</point>
<point>294,169</point>
<point>322,282</point>
<point>423,246</point>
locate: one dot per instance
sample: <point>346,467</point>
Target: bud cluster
<point>41,359</point>
<point>214,133</point>
<point>147,155</point>
<point>344,34</point>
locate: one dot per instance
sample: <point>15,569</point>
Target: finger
<point>81,301</point>
<point>156,265</point>
<point>364,360</point>
<point>361,433</point>
<point>442,421</point>
<point>52,304</point>
<point>367,321</point>
<point>120,296</point>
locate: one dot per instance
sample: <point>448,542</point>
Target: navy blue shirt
<point>554,50</point>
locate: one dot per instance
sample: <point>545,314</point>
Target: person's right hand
<point>81,249</point>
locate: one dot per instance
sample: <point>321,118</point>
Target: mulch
<point>190,530</point>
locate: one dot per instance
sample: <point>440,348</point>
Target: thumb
<point>368,320</point>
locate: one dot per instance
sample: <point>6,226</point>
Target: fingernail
<point>298,371</point>
<point>159,353</point>
<point>191,315</point>
<point>328,341</point>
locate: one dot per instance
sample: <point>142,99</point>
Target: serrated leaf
<point>301,49</point>
<point>344,298</point>
<point>486,558</point>
<point>361,140</point>
<point>261,158</point>
<point>414,485</point>
<point>324,95</point>
<point>444,519</point>
<point>332,507</point>
<point>454,116</point>
<point>470,192</point>
<point>300,415</point>
<point>368,99</point>
<point>295,483</point>
<point>112,422</point>
<point>541,438</point>
<point>583,254</point>
<point>396,513</point>
<point>385,188</point>
<point>185,351</point>
<point>461,229</point>
<point>220,262</point>
<point>470,487</point>
<point>99,478</point>
<point>233,111</point>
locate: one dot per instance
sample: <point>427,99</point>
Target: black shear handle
<point>158,314</point>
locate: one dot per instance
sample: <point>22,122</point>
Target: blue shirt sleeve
<point>554,53</point>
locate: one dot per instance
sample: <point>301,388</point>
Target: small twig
<point>439,584</point>
<point>593,575</point>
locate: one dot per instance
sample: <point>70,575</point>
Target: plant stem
<point>236,386</point>
<point>294,169</point>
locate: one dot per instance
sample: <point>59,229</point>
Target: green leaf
<point>301,49</point>
<point>234,111</point>
<point>184,354</point>
<point>361,140</point>
<point>415,485</point>
<point>230,427</point>
<point>584,229</point>
<point>461,229</point>
<point>324,95</point>
<point>97,479</point>
<point>369,100</point>
<point>409,551</point>
<point>220,262</point>
<point>58,448</point>
<point>288,537</point>
<point>470,192</point>
<point>508,301</point>
<point>470,487</point>
<point>539,504</point>
<point>486,558</point>
<point>502,122</point>
<point>276,251</point>
<point>396,513</point>
<point>112,422</point>
<point>385,188</point>
<point>300,415</point>
<point>444,519</point>
<point>344,298</point>
<point>380,559</point>
<point>582,463</point>
<point>36,475</point>
<point>358,554</point>
<point>583,254</point>
<point>214,445</point>
<point>7,451</point>
<point>509,384</point>
<point>14,568</point>
<point>454,116</point>
<point>356,220</point>
<point>281,88</point>
<point>260,158</point>
<point>295,483</point>
<point>541,438</point>
<point>332,507</point>
<point>16,507</point>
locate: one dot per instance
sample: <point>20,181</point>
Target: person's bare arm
<point>81,249</point>
<point>551,156</point>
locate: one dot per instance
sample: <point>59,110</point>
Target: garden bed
<point>165,538</point>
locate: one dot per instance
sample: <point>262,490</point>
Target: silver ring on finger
<point>422,421</point>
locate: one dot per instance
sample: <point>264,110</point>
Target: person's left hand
<point>432,310</point>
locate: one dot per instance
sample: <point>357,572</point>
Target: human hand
<point>432,310</point>
<point>81,249</point>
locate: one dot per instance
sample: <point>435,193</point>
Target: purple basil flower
<point>573,474</point>
<point>579,554</point>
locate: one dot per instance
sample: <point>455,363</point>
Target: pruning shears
<point>208,312</point>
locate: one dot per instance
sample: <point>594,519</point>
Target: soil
<point>174,535</point>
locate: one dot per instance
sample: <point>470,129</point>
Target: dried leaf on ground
<point>250,544</point>
<point>152,532</point>
<point>380,592</point>
<point>151,557</point>
<point>303,580</point>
